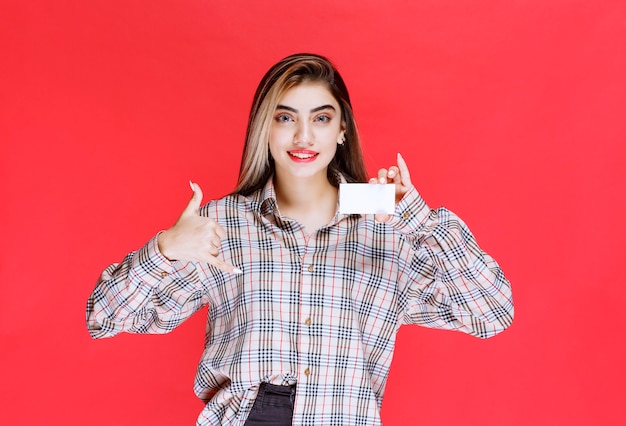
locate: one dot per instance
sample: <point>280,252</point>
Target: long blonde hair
<point>256,163</point>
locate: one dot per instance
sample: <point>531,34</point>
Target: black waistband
<point>287,390</point>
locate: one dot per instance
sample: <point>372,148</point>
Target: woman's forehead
<point>308,95</point>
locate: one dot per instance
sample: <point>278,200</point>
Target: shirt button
<point>311,268</point>
<point>307,372</point>
<point>307,321</point>
<point>406,215</point>
<point>164,274</point>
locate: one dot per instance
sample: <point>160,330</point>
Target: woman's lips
<point>302,156</point>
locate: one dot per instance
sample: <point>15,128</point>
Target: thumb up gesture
<point>194,237</point>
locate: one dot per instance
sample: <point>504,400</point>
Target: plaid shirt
<point>321,310</point>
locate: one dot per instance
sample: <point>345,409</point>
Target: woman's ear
<point>342,138</point>
<point>342,135</point>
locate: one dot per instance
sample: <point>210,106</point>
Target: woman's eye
<point>323,118</point>
<point>283,118</point>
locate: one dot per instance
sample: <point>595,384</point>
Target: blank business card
<point>366,198</point>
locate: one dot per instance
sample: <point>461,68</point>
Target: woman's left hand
<point>398,175</point>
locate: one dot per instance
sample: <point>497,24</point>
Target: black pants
<point>273,406</point>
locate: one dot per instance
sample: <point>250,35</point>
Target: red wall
<point>509,113</point>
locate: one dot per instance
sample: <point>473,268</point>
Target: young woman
<point>305,302</point>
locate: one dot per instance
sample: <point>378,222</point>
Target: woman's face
<point>306,127</point>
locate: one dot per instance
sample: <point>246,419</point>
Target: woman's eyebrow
<point>319,108</point>
<point>316,109</point>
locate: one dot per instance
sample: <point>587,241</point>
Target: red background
<point>509,113</point>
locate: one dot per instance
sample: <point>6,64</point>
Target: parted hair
<point>257,166</point>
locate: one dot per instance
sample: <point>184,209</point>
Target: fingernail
<point>237,271</point>
<point>191,185</point>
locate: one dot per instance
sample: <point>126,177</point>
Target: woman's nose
<point>303,134</point>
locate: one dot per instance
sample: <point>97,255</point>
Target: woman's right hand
<point>194,237</point>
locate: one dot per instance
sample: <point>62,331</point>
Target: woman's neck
<point>312,202</point>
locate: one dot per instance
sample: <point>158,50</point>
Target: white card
<point>366,198</point>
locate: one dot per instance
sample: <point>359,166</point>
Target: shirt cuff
<point>411,213</point>
<point>150,263</point>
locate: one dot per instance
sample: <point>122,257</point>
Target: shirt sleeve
<point>145,293</point>
<point>446,280</point>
